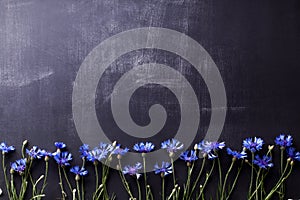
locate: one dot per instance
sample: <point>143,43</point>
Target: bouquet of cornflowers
<point>201,162</point>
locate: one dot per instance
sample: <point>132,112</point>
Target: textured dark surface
<point>255,45</point>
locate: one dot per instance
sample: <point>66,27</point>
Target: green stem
<point>96,174</point>
<point>173,173</point>
<point>187,187</point>
<point>61,183</point>
<point>82,188</point>
<point>220,175</point>
<point>5,176</point>
<point>235,180</point>
<point>256,183</point>
<point>66,177</point>
<point>145,175</point>
<point>124,181</point>
<point>251,179</point>
<point>281,195</point>
<point>206,180</point>
<point>46,176</point>
<point>226,177</point>
<point>198,177</point>
<point>280,181</point>
<point>139,189</point>
<point>163,188</point>
<point>78,190</point>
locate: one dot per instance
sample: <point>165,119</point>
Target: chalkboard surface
<point>254,44</point>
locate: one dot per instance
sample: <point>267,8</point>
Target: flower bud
<point>162,174</point>
<point>233,159</point>
<point>11,171</point>
<point>25,142</point>
<point>271,147</point>
<point>292,163</point>
<point>114,144</point>
<point>77,177</point>
<point>119,157</point>
<point>46,158</point>
<point>196,147</point>
<point>171,154</point>
<point>188,164</point>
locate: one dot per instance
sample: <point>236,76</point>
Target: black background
<point>255,45</point>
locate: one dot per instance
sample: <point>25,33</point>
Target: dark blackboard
<point>254,44</point>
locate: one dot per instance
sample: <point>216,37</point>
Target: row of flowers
<point>194,188</point>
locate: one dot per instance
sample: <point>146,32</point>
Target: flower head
<point>143,147</point>
<point>63,158</point>
<point>133,170</point>
<point>119,150</point>
<point>60,145</point>
<point>164,169</point>
<point>19,166</point>
<point>84,150</point>
<point>45,153</point>
<point>6,149</point>
<point>210,148</point>
<point>263,162</point>
<point>172,145</point>
<point>235,154</point>
<point>34,152</point>
<point>284,141</point>
<point>189,156</point>
<point>292,154</point>
<point>253,144</point>
<point>79,171</point>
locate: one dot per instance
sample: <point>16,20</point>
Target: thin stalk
<point>235,180</point>
<point>139,189</point>
<point>61,183</point>
<point>226,177</point>
<point>280,181</point>
<point>220,175</point>
<point>82,188</point>
<point>256,184</point>
<point>46,176</point>
<point>96,174</point>
<point>281,195</point>
<point>66,177</point>
<point>145,175</point>
<point>206,180</point>
<point>251,179</point>
<point>163,188</point>
<point>5,176</point>
<point>173,173</point>
<point>198,177</point>
<point>187,186</point>
<point>78,190</point>
<point>124,181</point>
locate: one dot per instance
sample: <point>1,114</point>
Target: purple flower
<point>60,145</point>
<point>263,162</point>
<point>96,154</point>
<point>120,151</point>
<point>292,154</point>
<point>133,170</point>
<point>6,149</point>
<point>171,145</point>
<point>143,147</point>
<point>235,154</point>
<point>84,150</point>
<point>45,153</point>
<point>79,171</point>
<point>164,169</point>
<point>253,144</point>
<point>284,141</point>
<point>34,152</point>
<point>210,148</point>
<point>189,156</point>
<point>19,166</point>
<point>63,158</point>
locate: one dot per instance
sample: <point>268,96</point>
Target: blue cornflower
<point>120,151</point>
<point>253,145</point>
<point>133,170</point>
<point>19,166</point>
<point>63,158</point>
<point>106,147</point>
<point>60,145</point>
<point>143,147</point>
<point>235,154</point>
<point>210,148</point>
<point>164,169</point>
<point>79,171</point>
<point>292,154</point>
<point>96,154</point>
<point>34,152</point>
<point>263,162</point>
<point>5,149</point>
<point>171,145</point>
<point>189,156</point>
<point>45,154</point>
<point>84,150</point>
<point>284,141</point>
